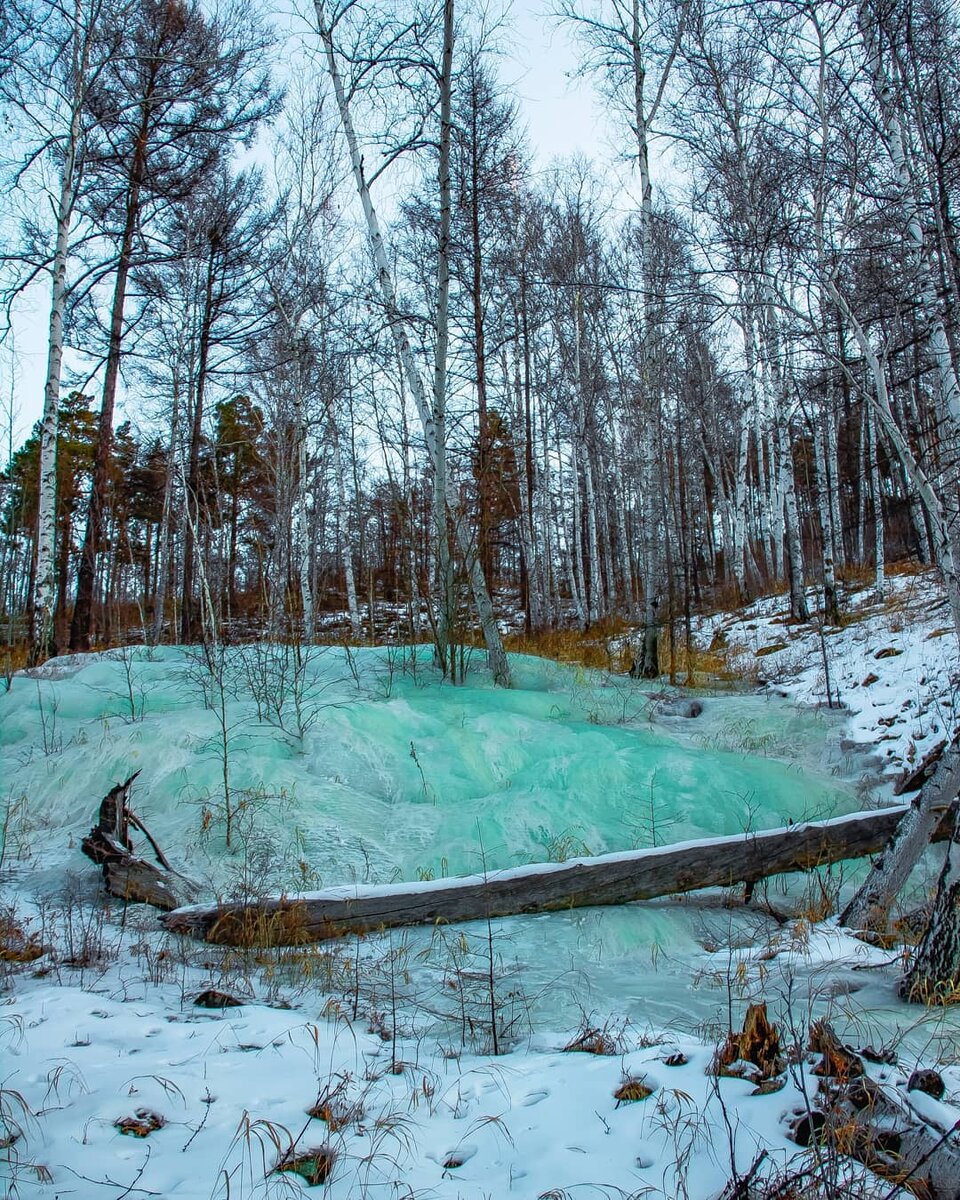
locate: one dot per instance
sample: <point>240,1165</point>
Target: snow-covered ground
<point>893,665</point>
<point>378,772</point>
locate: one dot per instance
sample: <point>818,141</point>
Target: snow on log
<point>542,887</point>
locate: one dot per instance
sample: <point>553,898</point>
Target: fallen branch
<point>866,1120</point>
<point>870,907</point>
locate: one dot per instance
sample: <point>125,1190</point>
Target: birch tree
<point>57,55</point>
<point>634,48</point>
<point>432,430</point>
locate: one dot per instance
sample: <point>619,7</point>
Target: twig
<point>135,821</point>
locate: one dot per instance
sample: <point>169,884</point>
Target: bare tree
<point>431,419</point>
<point>57,55</point>
<point>184,90</point>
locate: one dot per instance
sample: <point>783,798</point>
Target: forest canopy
<point>370,362</point>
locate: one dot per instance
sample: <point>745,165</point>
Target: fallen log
<point>543,887</point>
<point>126,875</point>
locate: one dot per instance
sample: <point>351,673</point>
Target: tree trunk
<point>192,492</point>
<point>870,907</point>
<point>933,976</point>
<point>876,497</point>
<point>81,626</point>
<point>543,887</point>
<point>45,576</point>
<point>831,607</point>
<point>496,657</point>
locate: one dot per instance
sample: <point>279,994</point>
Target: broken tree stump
<point>126,875</point>
<point>754,1053</point>
<point>542,887</point>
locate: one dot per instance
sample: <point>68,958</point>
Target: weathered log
<point>879,1126</point>
<point>913,778</point>
<point>126,875</point>
<point>542,887</point>
<point>870,907</point>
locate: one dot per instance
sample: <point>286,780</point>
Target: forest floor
<point>341,1073</point>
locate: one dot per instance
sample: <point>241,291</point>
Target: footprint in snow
<point>454,1156</point>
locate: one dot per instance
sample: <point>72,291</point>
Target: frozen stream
<point>379,772</point>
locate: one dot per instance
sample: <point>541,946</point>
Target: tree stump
<point>126,875</point>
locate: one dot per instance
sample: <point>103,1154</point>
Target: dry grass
<point>631,1090</point>
<point>250,926</point>
<point>313,1166</point>
<point>590,1040</point>
<point>586,648</point>
<point>724,662</point>
<point>942,994</point>
<point>13,658</point>
<point>16,945</point>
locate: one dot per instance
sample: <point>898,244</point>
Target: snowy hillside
<point>362,765</point>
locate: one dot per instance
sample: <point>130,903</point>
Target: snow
<point>233,1088</point>
<point>912,702</point>
<point>382,773</point>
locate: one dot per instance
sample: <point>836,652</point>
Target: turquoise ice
<point>381,771</point>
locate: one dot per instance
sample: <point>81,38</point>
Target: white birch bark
<point>918,257</point>
<point>876,500</point>
<point>590,588</point>
<point>896,143</point>
<point>614,426</point>
<point>349,577</point>
<point>164,553</point>
<point>642,120</point>
<point>299,533</point>
<point>45,579</point>
<point>593,544</point>
<point>45,593</point>
<point>411,555</point>
<point>778,372</point>
<point>443,513</point>
<point>862,488</point>
<point>947,549</point>
<point>525,515</point>
<point>754,393</point>
<point>833,483</point>
<point>740,511</point>
<point>791,525</point>
<point>608,593</point>
<point>774,496</point>
<point>548,522</point>
<point>576,544</point>
<point>496,657</point>
<point>825,517</point>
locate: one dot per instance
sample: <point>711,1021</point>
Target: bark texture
<point>543,887</point>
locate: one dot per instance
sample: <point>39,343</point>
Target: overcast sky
<point>563,116</point>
